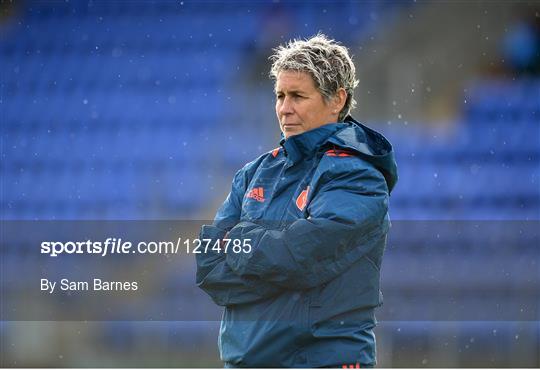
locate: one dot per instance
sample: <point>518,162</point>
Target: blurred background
<point>144,110</point>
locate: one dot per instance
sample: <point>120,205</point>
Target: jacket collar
<point>308,143</point>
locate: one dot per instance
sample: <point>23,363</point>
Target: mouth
<point>290,125</point>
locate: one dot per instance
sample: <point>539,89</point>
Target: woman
<point>312,219</point>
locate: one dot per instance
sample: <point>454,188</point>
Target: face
<point>300,107</point>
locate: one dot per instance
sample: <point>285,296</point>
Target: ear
<point>339,99</point>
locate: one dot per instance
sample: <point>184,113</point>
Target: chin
<point>294,131</point>
<point>288,134</point>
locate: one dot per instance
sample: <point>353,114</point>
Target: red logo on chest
<point>257,194</point>
<point>301,201</point>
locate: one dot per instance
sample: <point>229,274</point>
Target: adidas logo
<point>257,194</point>
<point>338,153</point>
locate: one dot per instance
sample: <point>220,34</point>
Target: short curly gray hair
<point>328,63</point>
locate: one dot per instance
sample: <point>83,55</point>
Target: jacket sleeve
<point>347,219</point>
<point>214,275</point>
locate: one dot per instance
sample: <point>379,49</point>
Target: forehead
<point>294,81</point>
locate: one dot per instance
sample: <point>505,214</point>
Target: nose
<point>285,106</point>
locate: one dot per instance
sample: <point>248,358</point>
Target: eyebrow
<point>291,92</point>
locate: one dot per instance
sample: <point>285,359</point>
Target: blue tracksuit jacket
<point>315,213</point>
